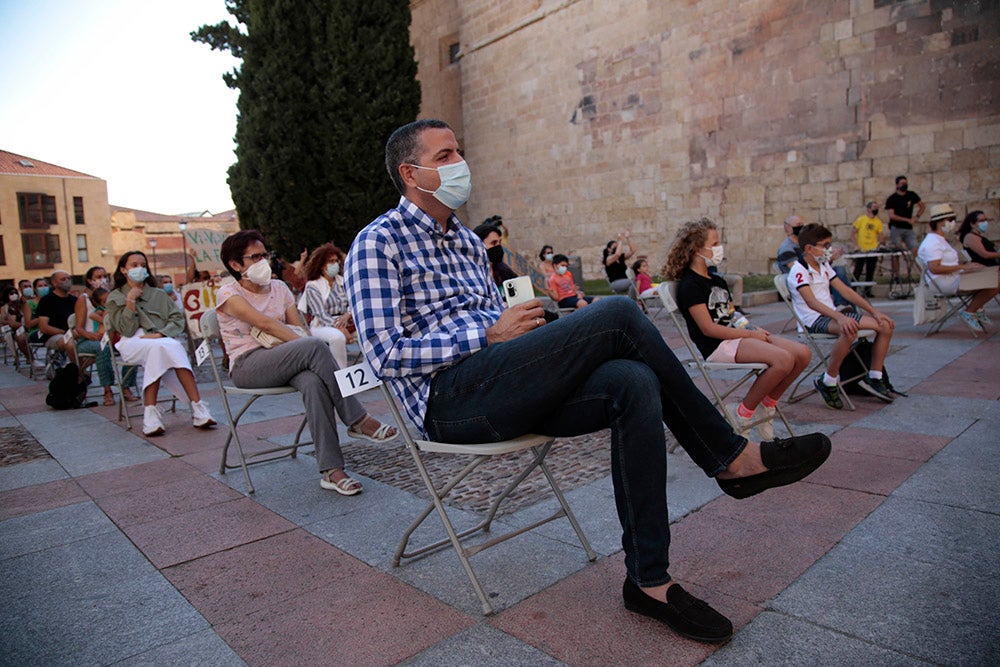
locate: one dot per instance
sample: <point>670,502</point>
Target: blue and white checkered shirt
<point>422,299</point>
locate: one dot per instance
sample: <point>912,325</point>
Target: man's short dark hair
<point>812,234</point>
<point>404,145</point>
<point>235,246</point>
<point>559,258</point>
<point>485,229</point>
<point>900,178</point>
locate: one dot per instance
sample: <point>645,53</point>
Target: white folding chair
<point>813,340</point>
<point>667,292</point>
<point>954,302</point>
<point>539,446</point>
<point>209,325</point>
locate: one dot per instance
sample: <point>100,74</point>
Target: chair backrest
<point>209,324</point>
<point>781,284</point>
<point>668,296</point>
<point>630,274</point>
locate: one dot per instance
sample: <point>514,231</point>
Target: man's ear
<point>408,173</point>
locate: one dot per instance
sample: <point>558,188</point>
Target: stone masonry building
<point>581,118</point>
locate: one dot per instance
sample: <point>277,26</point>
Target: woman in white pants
<point>325,300</point>
<point>147,320</point>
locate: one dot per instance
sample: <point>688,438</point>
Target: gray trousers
<point>307,365</point>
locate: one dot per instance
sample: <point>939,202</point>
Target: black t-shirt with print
<point>714,293</point>
<point>902,205</point>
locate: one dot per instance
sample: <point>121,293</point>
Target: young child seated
<point>643,281</point>
<point>724,335</point>
<point>809,282</point>
<point>562,289</point>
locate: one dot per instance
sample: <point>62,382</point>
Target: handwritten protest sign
<point>203,245</point>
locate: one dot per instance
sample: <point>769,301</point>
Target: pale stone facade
<point>581,118</point>
<point>51,218</point>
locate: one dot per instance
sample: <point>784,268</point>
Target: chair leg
<point>584,542</point>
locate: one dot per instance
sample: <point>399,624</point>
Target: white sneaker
<point>765,428</point>
<point>200,416</point>
<point>742,424</point>
<point>151,422</point>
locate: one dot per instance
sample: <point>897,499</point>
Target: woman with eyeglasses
<point>147,320</point>
<point>256,301</point>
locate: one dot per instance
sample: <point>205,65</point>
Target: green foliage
<point>322,85</point>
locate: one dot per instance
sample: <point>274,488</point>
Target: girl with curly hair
<point>723,335</point>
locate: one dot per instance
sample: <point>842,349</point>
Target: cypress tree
<point>322,85</point>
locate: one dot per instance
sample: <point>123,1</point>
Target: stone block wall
<point>582,118</point>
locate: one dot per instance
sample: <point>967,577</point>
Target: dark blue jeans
<point>603,366</point>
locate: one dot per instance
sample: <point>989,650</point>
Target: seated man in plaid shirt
<point>469,370</point>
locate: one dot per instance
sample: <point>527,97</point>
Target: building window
<point>41,251</point>
<point>3,255</point>
<point>37,210</point>
<point>453,51</point>
<point>81,248</point>
<point>78,210</point>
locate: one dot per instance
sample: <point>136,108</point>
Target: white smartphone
<point>518,290</point>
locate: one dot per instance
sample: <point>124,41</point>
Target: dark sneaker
<point>682,612</point>
<point>877,388</point>
<point>787,460</point>
<point>831,395</point>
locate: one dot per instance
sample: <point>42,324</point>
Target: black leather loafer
<point>682,612</point>
<point>787,460</point>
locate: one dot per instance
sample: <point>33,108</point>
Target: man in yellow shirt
<point>867,235</point>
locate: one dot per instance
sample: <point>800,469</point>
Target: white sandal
<point>347,486</point>
<point>381,434</point>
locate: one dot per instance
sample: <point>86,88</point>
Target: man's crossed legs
<point>608,366</point>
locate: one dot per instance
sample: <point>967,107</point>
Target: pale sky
<point>117,89</point>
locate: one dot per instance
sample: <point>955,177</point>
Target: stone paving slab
<point>197,533</point>
<point>776,639</point>
<point>581,621</point>
<point>42,530</point>
<point>943,610</point>
<point>30,473</point>
<point>201,648</point>
<point>40,497</point>
<point>964,474</point>
<point>93,601</point>
<point>482,646</point>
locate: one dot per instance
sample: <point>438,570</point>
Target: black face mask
<point>874,211</point>
<point>495,254</point>
<point>904,187</point>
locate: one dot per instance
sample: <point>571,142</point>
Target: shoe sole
<point>209,424</point>
<point>636,609</point>
<point>331,486</point>
<point>871,390</point>
<point>153,434</point>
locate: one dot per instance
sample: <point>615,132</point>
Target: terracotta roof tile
<point>149,216</point>
<point>12,163</point>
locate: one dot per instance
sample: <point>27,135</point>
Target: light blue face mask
<point>168,288</point>
<point>456,184</point>
<point>138,274</point>
<point>43,291</point>
<point>983,226</point>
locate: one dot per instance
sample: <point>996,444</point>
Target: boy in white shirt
<point>809,282</point>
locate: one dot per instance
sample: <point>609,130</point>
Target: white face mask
<point>259,273</point>
<point>949,226</point>
<point>826,256</point>
<point>549,256</point>
<point>332,269</point>
<point>718,254</point>
<point>561,270</point>
<point>456,184</point>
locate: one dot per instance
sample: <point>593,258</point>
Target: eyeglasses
<point>256,257</point>
<point>825,246</point>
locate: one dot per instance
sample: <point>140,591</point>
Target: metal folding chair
<point>209,325</point>
<point>813,340</point>
<point>539,445</point>
<point>954,302</point>
<point>667,292</point>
